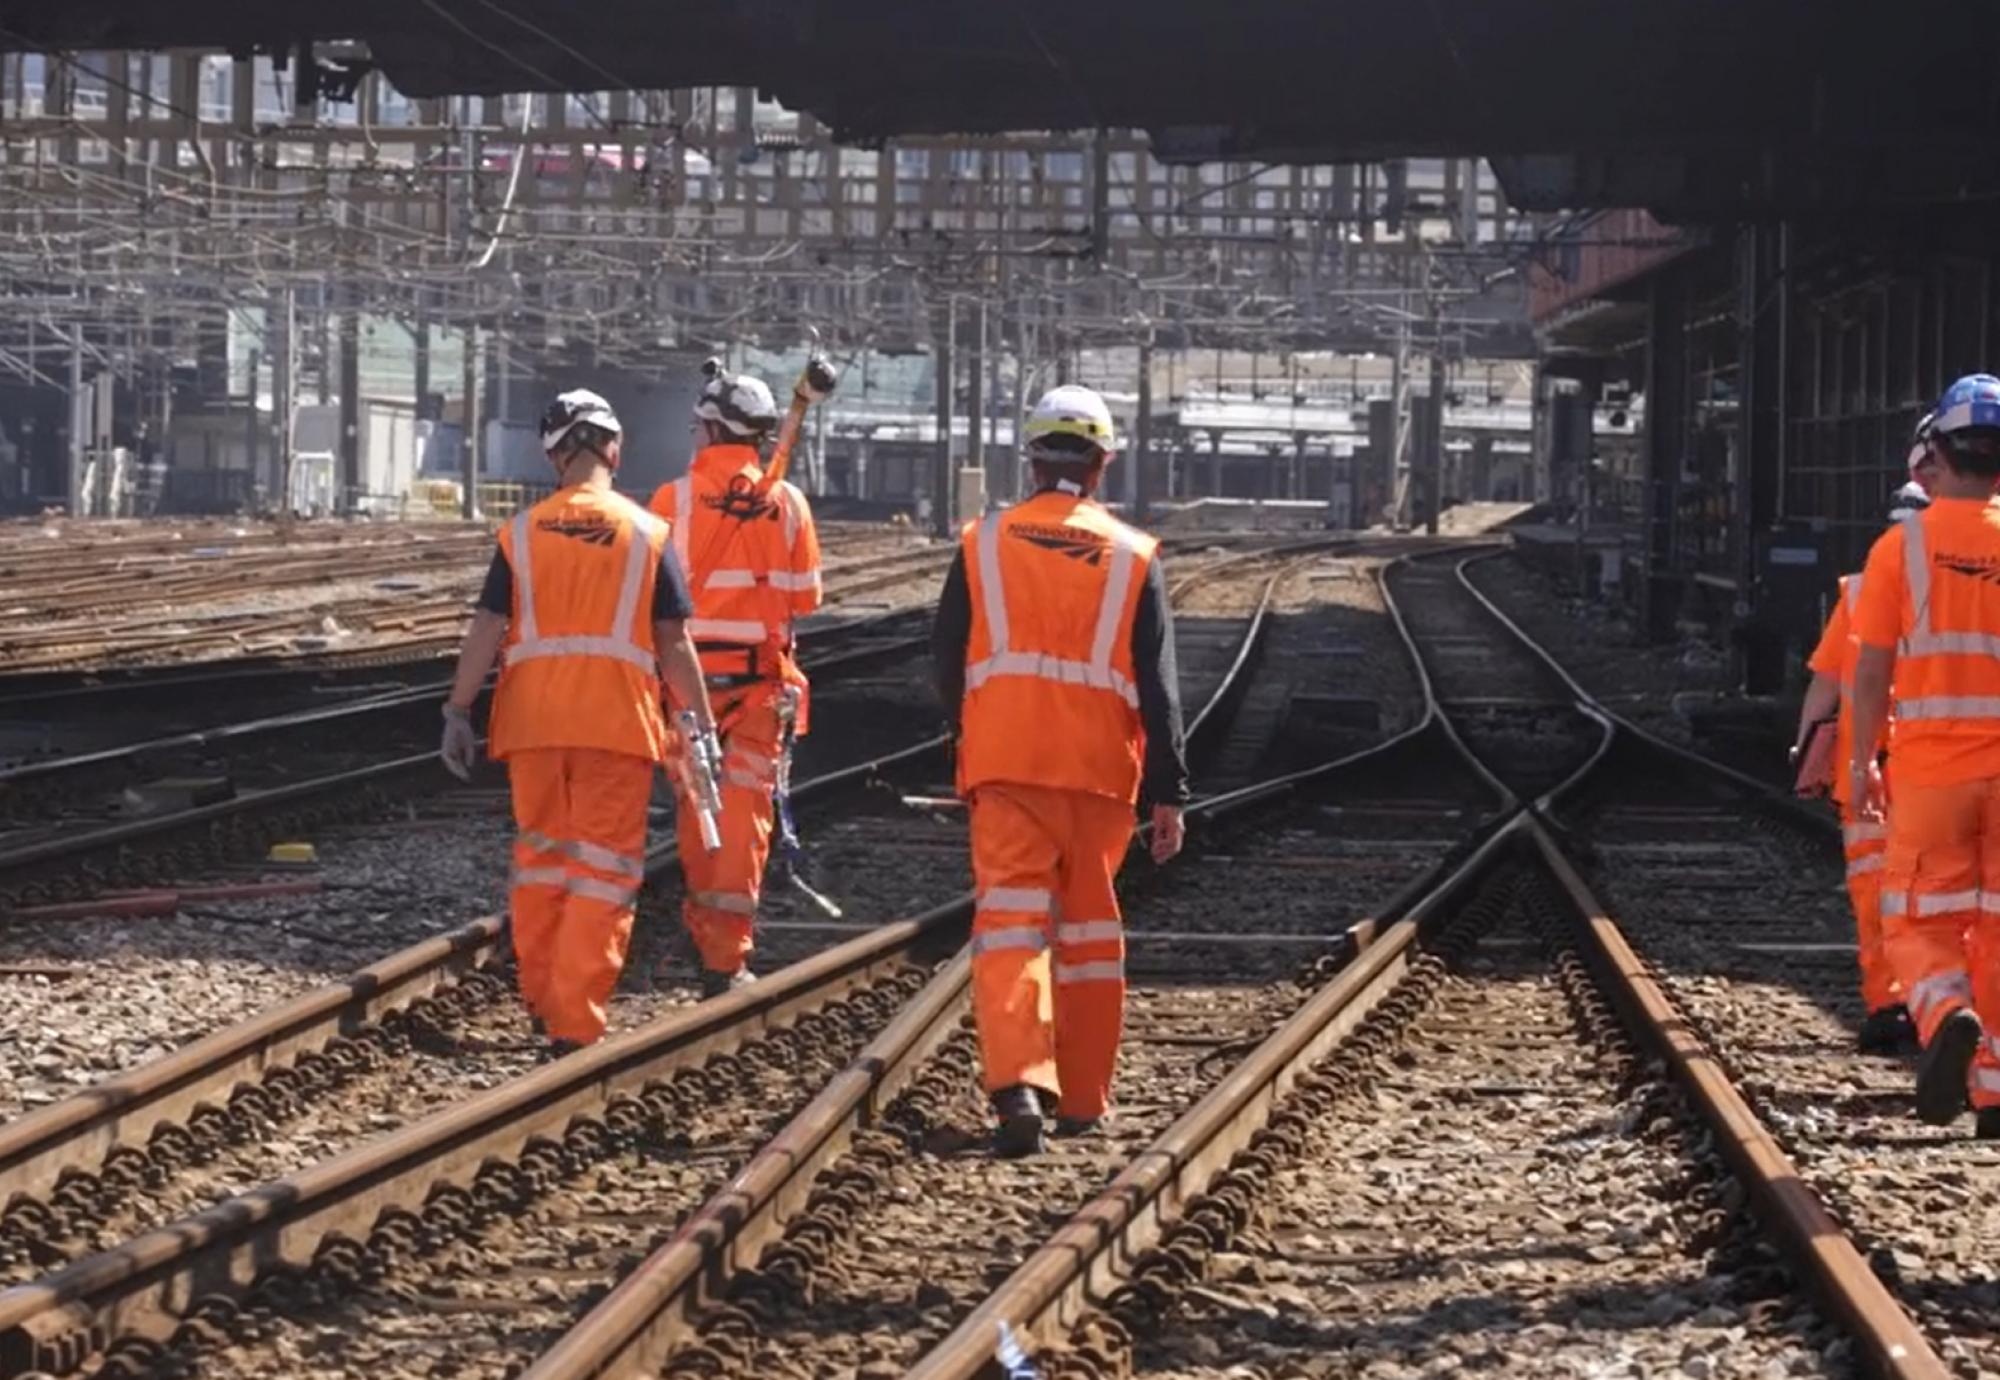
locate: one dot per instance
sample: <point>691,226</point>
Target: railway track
<point>1469,1124</point>
<point>143,815</point>
<point>815,984</point>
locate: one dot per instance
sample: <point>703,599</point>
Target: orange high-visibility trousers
<point>1940,919</point>
<point>1043,861</point>
<point>579,861</point>
<point>723,887</point>
<point>1867,843</point>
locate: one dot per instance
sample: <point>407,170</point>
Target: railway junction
<point>1507,385</point>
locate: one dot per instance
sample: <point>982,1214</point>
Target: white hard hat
<point>741,402</point>
<point>1920,443</point>
<point>1070,410</point>
<point>1910,500</point>
<point>575,408</point>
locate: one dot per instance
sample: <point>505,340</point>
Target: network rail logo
<point>1072,542</point>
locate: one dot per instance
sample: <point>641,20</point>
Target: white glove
<point>460,748</point>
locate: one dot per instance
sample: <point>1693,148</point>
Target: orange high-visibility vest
<point>1946,608</point>
<point>580,668</point>
<point>752,562</point>
<point>1050,692</point>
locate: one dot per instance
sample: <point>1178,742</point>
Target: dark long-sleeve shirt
<point>1165,781</point>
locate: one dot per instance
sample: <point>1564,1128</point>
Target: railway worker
<point>1886,1026</point>
<point>1054,648</point>
<point>752,556</point>
<point>586,598</point>
<point>1928,622</point>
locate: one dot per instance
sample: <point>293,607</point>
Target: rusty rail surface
<point>140,1287</point>
<point>1889,1338</point>
<point>1085,1259</point>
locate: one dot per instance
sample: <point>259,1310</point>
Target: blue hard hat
<point>1973,401</point>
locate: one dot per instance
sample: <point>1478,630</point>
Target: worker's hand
<point>1869,798</point>
<point>460,748</point>
<point>1169,832</point>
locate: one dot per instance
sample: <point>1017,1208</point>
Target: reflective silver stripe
<point>1861,833</point>
<point>1989,902</point>
<point>736,776</point>
<point>1013,937</point>
<point>1952,985</point>
<point>1853,592</point>
<point>1054,668</point>
<point>645,530</point>
<point>795,581</point>
<point>730,579</point>
<point>684,522</point>
<point>735,902</point>
<point>1950,707</point>
<point>991,594</point>
<point>1002,660</point>
<point>790,501</point>
<point>1089,931</point>
<point>752,757</point>
<point>524,578</point>
<point>539,876</point>
<point>1987,1079</point>
<point>728,629</point>
<point>614,647</point>
<point>1945,902</point>
<point>618,641</point>
<point>1864,865</point>
<point>1923,640</point>
<point>597,855</point>
<point>1917,573</point>
<point>1895,902</point>
<point>597,889</point>
<point>1105,970</point>
<point>1124,557</point>
<point>1952,644</point>
<point>1032,899</point>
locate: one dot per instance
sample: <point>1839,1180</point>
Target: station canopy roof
<point>1693,107</point>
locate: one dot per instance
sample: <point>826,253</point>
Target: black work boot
<point>1019,1111</point>
<point>1069,1126</point>
<point>1987,1125</point>
<point>1887,1031</point>
<point>714,984</point>
<point>1942,1068</point>
<point>557,1049</point>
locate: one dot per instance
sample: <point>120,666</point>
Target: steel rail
<point>1047,1294</point>
<point>646,1314</point>
<point>86,842</point>
<point>80,1131</point>
<point>1766,795</point>
<point>1889,1338</point>
<point>140,1287</point>
<point>401,697</point>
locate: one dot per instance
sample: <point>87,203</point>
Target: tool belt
<point>735,666</point>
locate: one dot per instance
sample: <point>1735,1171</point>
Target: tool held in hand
<point>815,384</point>
<point>699,767</point>
<point>789,847</point>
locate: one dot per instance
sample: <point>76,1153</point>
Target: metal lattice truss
<point>139,192</point>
